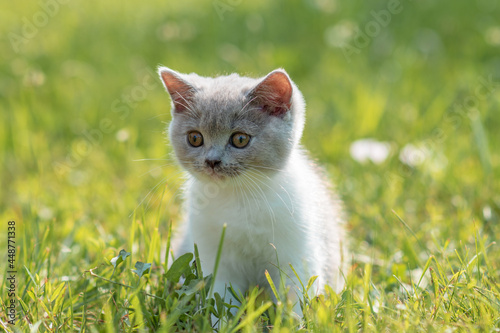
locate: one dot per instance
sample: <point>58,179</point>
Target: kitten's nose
<point>212,163</point>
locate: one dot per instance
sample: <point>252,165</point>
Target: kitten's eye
<point>195,138</point>
<point>240,140</point>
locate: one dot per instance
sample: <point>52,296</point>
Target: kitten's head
<point>225,126</point>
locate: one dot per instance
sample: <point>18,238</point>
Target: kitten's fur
<point>267,193</point>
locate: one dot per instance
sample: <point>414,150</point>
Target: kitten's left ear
<point>274,93</point>
<point>180,91</point>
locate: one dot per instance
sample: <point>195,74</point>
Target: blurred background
<point>402,110</point>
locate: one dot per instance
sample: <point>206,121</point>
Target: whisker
<point>257,172</point>
<point>150,194</point>
<point>158,167</point>
<point>189,107</point>
<point>266,201</point>
<point>241,113</point>
<point>147,195</point>
<point>159,115</point>
<point>248,210</point>
<point>265,167</point>
<point>242,182</point>
<point>151,159</point>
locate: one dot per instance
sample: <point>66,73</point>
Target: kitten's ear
<point>180,91</point>
<point>274,93</point>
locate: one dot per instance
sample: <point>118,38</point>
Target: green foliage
<point>85,169</point>
<point>141,268</point>
<point>179,266</point>
<point>120,258</point>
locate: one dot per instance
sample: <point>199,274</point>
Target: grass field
<point>85,168</point>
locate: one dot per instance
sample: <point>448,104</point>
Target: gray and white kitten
<point>238,139</point>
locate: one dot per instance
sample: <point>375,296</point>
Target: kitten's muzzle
<point>212,163</point>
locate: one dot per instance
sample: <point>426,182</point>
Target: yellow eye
<point>195,138</point>
<point>240,140</point>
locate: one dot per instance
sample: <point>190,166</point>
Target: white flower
<point>413,156</point>
<point>400,306</point>
<point>340,34</point>
<point>122,135</point>
<point>487,212</point>
<point>370,150</point>
<point>45,213</point>
<point>424,155</point>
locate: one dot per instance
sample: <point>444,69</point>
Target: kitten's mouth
<point>220,173</point>
<point>212,172</point>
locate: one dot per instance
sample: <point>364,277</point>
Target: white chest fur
<point>291,210</point>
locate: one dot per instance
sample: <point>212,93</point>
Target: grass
<point>85,171</point>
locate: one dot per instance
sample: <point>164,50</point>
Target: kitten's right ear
<point>180,91</point>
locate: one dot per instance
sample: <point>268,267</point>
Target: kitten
<point>238,139</point>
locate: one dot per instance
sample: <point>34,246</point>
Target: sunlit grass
<point>86,170</point>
